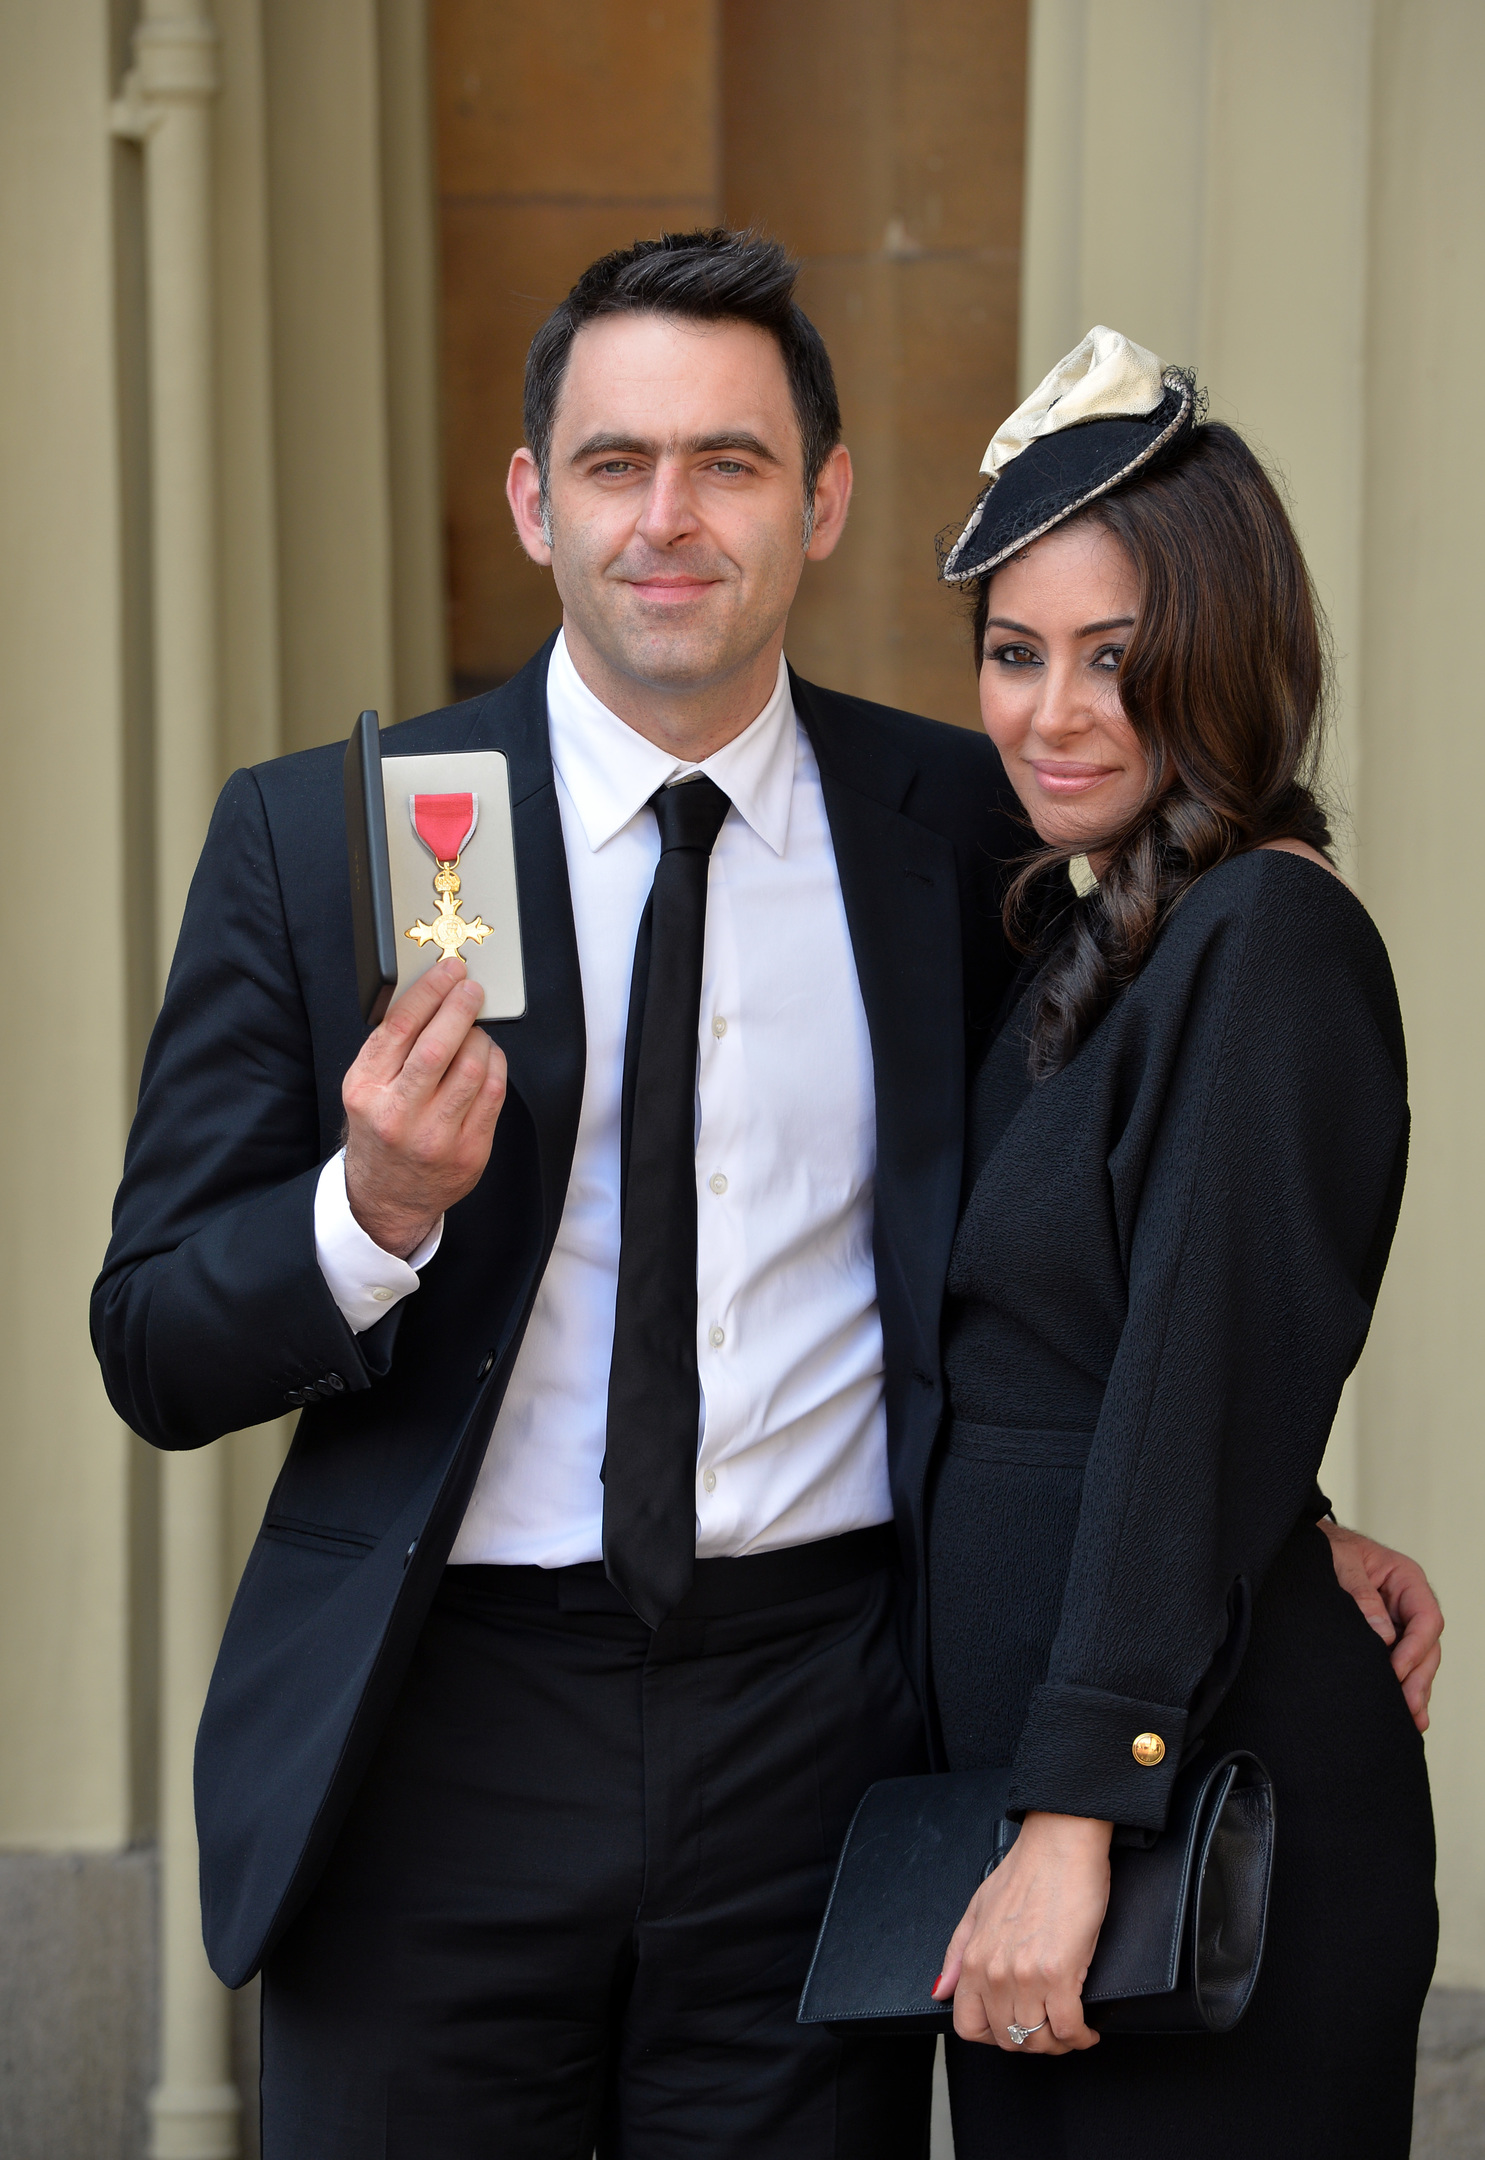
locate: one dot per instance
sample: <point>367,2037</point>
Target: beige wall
<point>561,133</point>
<point>328,598</point>
<point>883,140</point>
<point>65,1759</point>
<point>1291,198</point>
<point>1422,1467</point>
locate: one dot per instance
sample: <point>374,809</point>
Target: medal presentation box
<point>433,871</point>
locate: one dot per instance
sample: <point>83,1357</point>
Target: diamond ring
<point>1020,2034</point>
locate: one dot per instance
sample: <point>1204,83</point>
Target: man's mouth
<point>670,591</point>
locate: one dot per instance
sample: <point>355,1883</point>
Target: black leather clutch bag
<point>1180,1945</point>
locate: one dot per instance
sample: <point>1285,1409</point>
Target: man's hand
<point>421,1103</point>
<point>1393,1592</point>
<point>1022,1951</point>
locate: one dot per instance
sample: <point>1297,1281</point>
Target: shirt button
<point>710,1481</point>
<point>718,1337</point>
<point>717,1182</point>
<point>382,1295</point>
<point>719,1027</point>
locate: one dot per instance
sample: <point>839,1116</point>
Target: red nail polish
<point>934,1989</point>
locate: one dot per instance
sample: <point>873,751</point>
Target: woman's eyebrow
<point>1115,622</point>
<point>1003,622</point>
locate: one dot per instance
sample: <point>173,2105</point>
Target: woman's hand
<point>1022,1951</point>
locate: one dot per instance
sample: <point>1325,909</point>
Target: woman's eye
<point>1108,657</point>
<point>1017,656</point>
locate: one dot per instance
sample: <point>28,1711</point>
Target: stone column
<point>167,104</point>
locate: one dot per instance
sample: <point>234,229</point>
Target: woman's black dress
<point>1165,1269</point>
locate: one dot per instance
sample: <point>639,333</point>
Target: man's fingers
<point>384,1052</point>
<point>434,1050</point>
<point>1419,1639</point>
<point>1418,1686</point>
<point>471,1095</point>
<point>1373,1609</point>
<point>460,1085</point>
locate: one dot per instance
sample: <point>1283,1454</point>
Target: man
<point>574,1631</point>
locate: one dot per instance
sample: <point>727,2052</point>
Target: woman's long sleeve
<point>1255,1185</point>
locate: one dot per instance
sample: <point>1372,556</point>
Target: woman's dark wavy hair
<point>1223,680</point>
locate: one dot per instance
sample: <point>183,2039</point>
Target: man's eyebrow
<point>694,446</point>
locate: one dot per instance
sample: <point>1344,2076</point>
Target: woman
<point>1187,1150</point>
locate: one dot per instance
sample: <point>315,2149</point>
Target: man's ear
<point>523,493</point>
<point>832,501</point>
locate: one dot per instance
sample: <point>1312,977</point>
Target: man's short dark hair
<point>710,276</point>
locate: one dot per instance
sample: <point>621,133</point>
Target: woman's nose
<point>1065,708</point>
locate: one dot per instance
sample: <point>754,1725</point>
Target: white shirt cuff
<point>364,1281</point>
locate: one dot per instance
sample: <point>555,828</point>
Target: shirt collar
<point>610,772</point>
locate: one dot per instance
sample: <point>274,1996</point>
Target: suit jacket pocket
<point>317,1537</point>
<point>1018,1444</point>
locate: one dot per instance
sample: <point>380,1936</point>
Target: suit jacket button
<point>333,1383</point>
<point>1148,1750</point>
<point>296,1396</point>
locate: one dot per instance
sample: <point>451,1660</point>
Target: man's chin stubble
<point>670,656</point>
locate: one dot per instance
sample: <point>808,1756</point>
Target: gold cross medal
<point>445,825</point>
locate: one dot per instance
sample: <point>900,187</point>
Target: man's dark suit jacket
<point>211,1312</point>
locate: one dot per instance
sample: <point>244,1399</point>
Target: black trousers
<point>1321,2067</point>
<point>574,1901</point>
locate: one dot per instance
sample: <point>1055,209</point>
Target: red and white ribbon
<point>444,823</point>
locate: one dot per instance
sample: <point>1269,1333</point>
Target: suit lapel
<point>900,889</point>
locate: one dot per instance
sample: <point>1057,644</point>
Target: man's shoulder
<point>307,773</point>
<point>509,717</point>
<point>947,777</point>
<point>936,744</point>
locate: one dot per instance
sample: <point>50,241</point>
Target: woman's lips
<point>1070,779</point>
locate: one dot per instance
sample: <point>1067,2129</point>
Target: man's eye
<point>1016,656</point>
<point>728,465</point>
<point>617,467</point>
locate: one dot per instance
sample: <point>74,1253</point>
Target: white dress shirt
<point>789,1340</point>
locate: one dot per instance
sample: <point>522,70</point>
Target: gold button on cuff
<point>1148,1750</point>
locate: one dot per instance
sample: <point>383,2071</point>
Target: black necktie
<point>654,1392</point>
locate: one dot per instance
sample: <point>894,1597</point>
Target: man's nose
<point>670,510</point>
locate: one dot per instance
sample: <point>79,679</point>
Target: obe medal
<point>445,825</point>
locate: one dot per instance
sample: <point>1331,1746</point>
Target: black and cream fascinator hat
<point>1102,413</point>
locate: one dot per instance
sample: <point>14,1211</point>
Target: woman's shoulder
<point>1286,893</point>
<point>1290,940</point>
